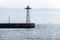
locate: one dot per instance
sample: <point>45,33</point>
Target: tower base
<point>17,25</point>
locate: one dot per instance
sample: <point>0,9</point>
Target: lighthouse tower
<point>28,14</point>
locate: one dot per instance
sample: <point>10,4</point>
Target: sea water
<point>41,15</point>
<point>38,33</point>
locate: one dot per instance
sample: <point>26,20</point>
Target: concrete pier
<point>17,25</point>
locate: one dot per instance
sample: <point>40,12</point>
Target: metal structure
<point>9,20</point>
<point>28,14</point>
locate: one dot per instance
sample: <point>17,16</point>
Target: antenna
<point>28,2</point>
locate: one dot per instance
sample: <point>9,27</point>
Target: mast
<point>9,20</point>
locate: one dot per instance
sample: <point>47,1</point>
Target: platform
<point>17,25</point>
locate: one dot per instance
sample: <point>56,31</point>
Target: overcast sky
<point>32,3</point>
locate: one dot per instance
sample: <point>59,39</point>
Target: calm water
<point>38,33</point>
<point>44,15</point>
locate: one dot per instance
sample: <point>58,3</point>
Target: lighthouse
<point>28,14</point>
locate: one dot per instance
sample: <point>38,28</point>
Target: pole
<point>9,20</point>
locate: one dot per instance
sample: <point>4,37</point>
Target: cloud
<point>12,3</point>
<point>32,3</point>
<point>45,3</point>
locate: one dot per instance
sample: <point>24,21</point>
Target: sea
<point>46,21</point>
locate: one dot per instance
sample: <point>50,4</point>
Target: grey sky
<point>32,3</point>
